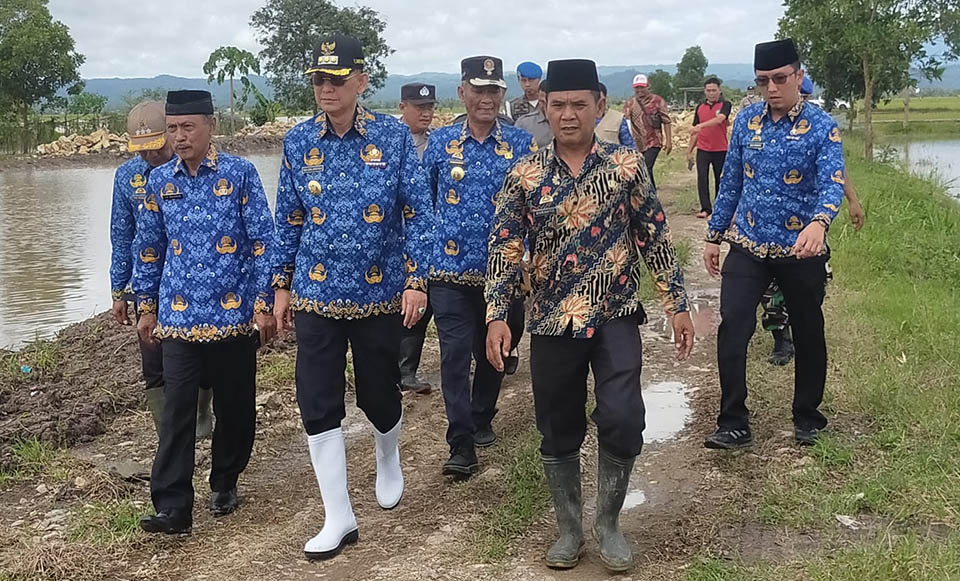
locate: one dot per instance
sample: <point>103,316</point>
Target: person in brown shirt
<point>650,123</point>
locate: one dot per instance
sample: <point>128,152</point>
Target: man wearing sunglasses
<point>782,186</point>
<point>355,229</point>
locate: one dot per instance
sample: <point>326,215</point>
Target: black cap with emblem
<point>572,75</point>
<point>337,55</point>
<point>481,71</point>
<point>772,55</point>
<point>418,93</point>
<point>189,103</point>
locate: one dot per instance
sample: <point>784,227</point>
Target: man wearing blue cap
<point>529,75</point>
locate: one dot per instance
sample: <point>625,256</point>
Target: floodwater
<point>668,410</point>
<point>55,246</point>
<point>939,159</point>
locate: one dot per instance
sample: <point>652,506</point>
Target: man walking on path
<point>612,125</point>
<point>466,164</point>
<point>529,75</point>
<point>204,240</point>
<point>709,138</point>
<point>650,123</point>
<point>417,106</point>
<point>591,219</point>
<point>783,184</point>
<point>354,229</point>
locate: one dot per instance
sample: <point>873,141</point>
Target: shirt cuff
<point>263,305</point>
<point>823,218</point>
<point>147,305</point>
<point>497,311</point>
<point>281,281</point>
<point>418,283</point>
<point>119,294</point>
<point>714,237</point>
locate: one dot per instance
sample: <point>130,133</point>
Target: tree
<point>37,59</point>
<point>230,62</point>
<point>288,29</point>
<point>86,104</point>
<point>866,48</point>
<point>691,69</point>
<point>131,99</point>
<point>661,83</point>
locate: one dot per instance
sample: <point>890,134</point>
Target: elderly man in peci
<point>202,279</point>
<point>355,227</point>
<point>592,221</point>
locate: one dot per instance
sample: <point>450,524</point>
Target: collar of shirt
<point>360,119</point>
<point>596,156</point>
<point>210,161</point>
<point>792,114</point>
<point>495,133</point>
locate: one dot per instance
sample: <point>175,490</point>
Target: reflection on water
<point>55,244</point>
<point>668,410</point>
<point>937,159</point>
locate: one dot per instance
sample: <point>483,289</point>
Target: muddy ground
<point>684,500</point>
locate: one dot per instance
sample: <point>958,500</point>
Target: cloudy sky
<point>122,38</point>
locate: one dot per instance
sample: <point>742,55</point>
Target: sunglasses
<point>319,80</point>
<point>780,79</point>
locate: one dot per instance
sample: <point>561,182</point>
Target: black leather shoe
<point>510,364</point>
<point>724,439</point>
<point>223,503</point>
<point>173,522</point>
<point>416,385</point>
<point>484,437</point>
<point>806,437</point>
<point>463,461</point>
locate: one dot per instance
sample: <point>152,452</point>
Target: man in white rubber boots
<point>354,232</point>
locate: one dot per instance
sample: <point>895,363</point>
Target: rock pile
<point>97,142</point>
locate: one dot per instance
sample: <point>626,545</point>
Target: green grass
<point>33,457</point>
<point>525,500</point>
<point>42,355</point>
<point>105,522</point>
<point>276,370</point>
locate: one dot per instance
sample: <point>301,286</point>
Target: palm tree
<point>230,62</point>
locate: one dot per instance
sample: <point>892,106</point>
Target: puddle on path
<point>634,499</point>
<point>668,410</point>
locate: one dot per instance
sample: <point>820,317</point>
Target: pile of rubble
<point>97,142</point>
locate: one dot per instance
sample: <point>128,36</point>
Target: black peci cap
<point>189,103</point>
<point>418,93</point>
<point>772,55</point>
<point>337,55</point>
<point>572,75</point>
<point>481,71</point>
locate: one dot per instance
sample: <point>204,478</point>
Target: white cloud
<point>121,38</point>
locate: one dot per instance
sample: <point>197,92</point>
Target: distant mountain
<point>617,78</point>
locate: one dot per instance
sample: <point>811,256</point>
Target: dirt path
<point>677,491</point>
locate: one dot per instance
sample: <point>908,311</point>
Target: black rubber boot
<point>782,347</point>
<point>155,403</point>
<point>613,477</point>
<point>563,478</point>
<point>411,347</point>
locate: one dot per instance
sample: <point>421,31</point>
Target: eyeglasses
<point>319,79</point>
<point>780,79</point>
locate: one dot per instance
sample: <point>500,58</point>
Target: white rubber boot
<point>389,473</point>
<point>329,458</point>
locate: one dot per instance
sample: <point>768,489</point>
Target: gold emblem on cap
<point>489,66</point>
<point>457,173</point>
<point>327,48</point>
<point>314,187</point>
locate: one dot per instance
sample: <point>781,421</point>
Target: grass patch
<point>39,356</point>
<point>105,522</point>
<point>33,457</point>
<point>526,499</point>
<point>276,370</point>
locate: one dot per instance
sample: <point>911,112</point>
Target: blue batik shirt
<point>129,191</point>
<point>778,177</point>
<point>465,206</point>
<point>204,246</point>
<point>354,218</point>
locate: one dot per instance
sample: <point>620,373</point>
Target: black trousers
<point>460,315</point>
<point>322,363</point>
<point>517,321</point>
<point>411,346</point>
<point>650,158</point>
<point>744,280</point>
<point>559,366</point>
<point>705,159</point>
<point>231,367</point>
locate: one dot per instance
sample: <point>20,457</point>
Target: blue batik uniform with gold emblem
<point>129,191</point>
<point>778,177</point>
<point>353,217</point>
<point>204,247</point>
<point>465,175</point>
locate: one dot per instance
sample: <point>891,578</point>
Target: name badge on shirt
<point>756,142</point>
<point>171,192</point>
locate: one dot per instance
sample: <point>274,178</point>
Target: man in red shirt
<point>650,123</point>
<point>709,137</point>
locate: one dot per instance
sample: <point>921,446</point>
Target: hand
<point>145,328</point>
<point>413,305</point>
<point>690,160</point>
<point>668,147</point>
<point>281,310</point>
<point>498,343</point>
<point>267,324</point>
<point>120,314</point>
<point>683,335</point>
<point>857,216</point>
<point>810,241</point>
<point>711,259</point>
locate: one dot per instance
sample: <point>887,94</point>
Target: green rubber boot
<point>155,403</point>
<point>563,479</point>
<point>613,477</point>
<point>204,414</point>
